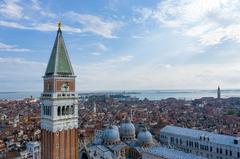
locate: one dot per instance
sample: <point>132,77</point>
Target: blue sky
<point>123,44</point>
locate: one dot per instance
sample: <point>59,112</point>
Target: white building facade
<point>33,151</point>
<point>202,143</point>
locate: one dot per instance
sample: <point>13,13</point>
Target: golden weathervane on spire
<point>59,25</point>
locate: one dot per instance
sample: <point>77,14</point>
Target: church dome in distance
<point>111,135</point>
<point>144,138</point>
<point>127,130</point>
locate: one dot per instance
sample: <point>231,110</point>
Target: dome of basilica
<point>144,138</point>
<point>127,130</point>
<point>111,135</point>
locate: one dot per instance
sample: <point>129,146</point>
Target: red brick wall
<point>48,84</point>
<point>68,144</point>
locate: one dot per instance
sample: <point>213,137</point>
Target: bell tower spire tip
<point>59,24</point>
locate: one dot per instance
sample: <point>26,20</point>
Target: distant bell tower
<point>94,107</point>
<point>218,93</point>
<point>59,109</point>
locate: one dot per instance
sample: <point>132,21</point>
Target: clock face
<point>65,87</point>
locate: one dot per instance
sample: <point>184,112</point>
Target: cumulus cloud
<point>211,22</point>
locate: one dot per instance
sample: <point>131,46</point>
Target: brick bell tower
<point>59,110</point>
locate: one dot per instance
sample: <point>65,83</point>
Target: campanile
<point>59,110</point>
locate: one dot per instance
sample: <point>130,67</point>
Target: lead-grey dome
<point>115,127</point>
<point>111,135</point>
<point>144,138</point>
<point>127,130</point>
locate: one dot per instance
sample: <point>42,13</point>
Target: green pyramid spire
<point>59,63</point>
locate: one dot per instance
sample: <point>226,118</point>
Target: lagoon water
<point>141,94</point>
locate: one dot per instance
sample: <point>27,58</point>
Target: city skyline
<point>123,45</point>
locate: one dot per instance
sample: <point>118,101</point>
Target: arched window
<point>50,110</point>
<point>84,155</point>
<point>46,110</point>
<point>67,111</point>
<point>63,110</point>
<point>59,111</point>
<point>72,109</point>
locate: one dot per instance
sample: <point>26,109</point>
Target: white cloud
<point>11,9</point>
<point>11,48</point>
<point>12,24</point>
<point>123,58</point>
<point>85,22</point>
<point>35,17</point>
<point>94,49</point>
<point>52,27</point>
<point>39,26</point>
<point>126,58</point>
<point>15,10</point>
<point>100,47</point>
<point>96,53</point>
<point>26,75</point>
<point>115,74</point>
<point>168,66</point>
<point>145,14</point>
<point>137,37</point>
<point>213,37</point>
<point>94,24</point>
<point>13,61</point>
<point>156,76</point>
<point>211,22</point>
<point>37,7</point>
